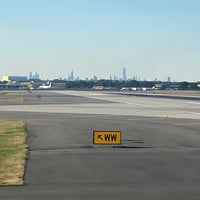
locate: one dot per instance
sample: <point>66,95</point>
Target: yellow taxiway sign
<point>107,137</point>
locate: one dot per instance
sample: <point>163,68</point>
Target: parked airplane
<point>45,86</point>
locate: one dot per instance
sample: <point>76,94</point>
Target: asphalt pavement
<point>159,157</point>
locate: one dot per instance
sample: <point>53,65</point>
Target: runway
<point>158,157</point>
<point>82,102</point>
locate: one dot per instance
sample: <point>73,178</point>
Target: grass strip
<point>12,97</point>
<point>13,150</point>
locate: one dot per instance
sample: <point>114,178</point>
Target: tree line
<point>117,85</point>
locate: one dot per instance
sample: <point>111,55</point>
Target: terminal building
<point>15,82</point>
<point>14,78</point>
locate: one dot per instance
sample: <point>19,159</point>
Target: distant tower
<point>35,76</point>
<point>30,75</point>
<point>95,78</point>
<point>169,79</point>
<point>71,76</point>
<point>124,73</point>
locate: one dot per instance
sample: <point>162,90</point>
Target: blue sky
<point>150,38</point>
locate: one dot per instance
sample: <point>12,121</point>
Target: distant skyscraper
<point>36,76</point>
<point>124,73</point>
<point>95,78</point>
<point>30,75</point>
<point>71,76</point>
<point>169,79</point>
<point>115,78</point>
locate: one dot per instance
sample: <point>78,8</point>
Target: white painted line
<point>192,102</point>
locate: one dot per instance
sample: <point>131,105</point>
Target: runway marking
<point>177,110</point>
<point>188,123</point>
<point>135,104</point>
<point>97,94</point>
<point>196,113</point>
<point>192,102</point>
<point>130,103</point>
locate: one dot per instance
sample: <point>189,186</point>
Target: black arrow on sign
<point>100,137</point>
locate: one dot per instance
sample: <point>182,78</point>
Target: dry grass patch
<point>13,151</point>
<point>12,97</point>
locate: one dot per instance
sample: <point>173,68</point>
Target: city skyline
<point>152,39</point>
<point>72,77</point>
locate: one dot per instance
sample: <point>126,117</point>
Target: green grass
<point>13,151</point>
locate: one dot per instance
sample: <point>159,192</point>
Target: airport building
<point>14,78</point>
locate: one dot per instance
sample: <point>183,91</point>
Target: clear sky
<point>150,38</point>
